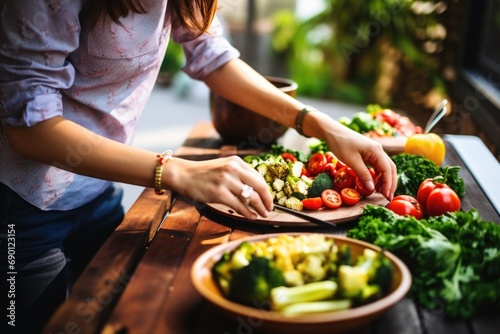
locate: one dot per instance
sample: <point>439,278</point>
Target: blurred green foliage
<point>174,59</point>
<point>364,51</point>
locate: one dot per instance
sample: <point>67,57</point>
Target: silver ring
<point>245,194</point>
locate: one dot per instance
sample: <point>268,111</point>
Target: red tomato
<point>330,169</point>
<point>313,203</point>
<point>331,198</point>
<point>289,157</point>
<point>405,205</point>
<point>343,179</point>
<point>340,164</point>
<point>424,190</point>
<point>331,158</point>
<point>442,200</point>
<point>316,164</point>
<point>358,185</point>
<point>350,196</point>
<point>352,172</point>
<point>373,173</point>
<point>304,171</point>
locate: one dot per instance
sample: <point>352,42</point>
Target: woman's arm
<point>239,83</point>
<point>65,144</point>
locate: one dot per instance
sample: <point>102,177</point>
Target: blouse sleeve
<point>34,45</point>
<point>205,53</point>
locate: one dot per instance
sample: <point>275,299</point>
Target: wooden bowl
<point>275,322</point>
<point>242,127</point>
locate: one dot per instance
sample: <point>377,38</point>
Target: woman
<point>74,78</point>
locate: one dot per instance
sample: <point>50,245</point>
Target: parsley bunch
<point>413,169</point>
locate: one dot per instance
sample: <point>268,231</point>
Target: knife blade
<point>304,216</point>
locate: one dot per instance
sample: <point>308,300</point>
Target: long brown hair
<point>194,15</point>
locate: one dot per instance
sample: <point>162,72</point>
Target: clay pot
<point>242,127</point>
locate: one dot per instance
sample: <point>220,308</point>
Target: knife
<point>304,216</point>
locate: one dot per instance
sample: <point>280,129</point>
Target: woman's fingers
<point>228,181</point>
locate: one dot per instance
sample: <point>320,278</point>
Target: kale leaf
<point>454,258</point>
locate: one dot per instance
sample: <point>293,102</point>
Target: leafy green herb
<point>454,258</point>
<point>278,149</point>
<point>413,169</point>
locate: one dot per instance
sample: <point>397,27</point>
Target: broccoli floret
<point>252,285</point>
<point>372,268</point>
<point>321,182</point>
<point>352,280</point>
<point>229,262</point>
<point>278,169</point>
<point>298,195</point>
<point>344,255</point>
<point>242,255</point>
<point>283,296</point>
<point>222,273</point>
<point>384,274</point>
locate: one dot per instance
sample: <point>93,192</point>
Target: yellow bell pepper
<point>429,145</point>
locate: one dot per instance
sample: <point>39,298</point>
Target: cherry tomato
<point>330,169</point>
<point>313,203</point>
<point>358,185</point>
<point>352,172</point>
<point>331,198</point>
<point>405,205</point>
<point>343,179</point>
<point>441,200</point>
<point>341,164</point>
<point>331,158</point>
<point>304,171</point>
<point>350,196</point>
<point>316,164</point>
<point>289,157</point>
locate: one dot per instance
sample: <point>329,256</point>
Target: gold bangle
<point>163,158</point>
<point>299,120</point>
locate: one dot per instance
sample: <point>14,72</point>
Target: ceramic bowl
<point>275,322</point>
<point>242,127</point>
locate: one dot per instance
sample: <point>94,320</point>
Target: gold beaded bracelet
<point>163,158</point>
<point>300,119</point>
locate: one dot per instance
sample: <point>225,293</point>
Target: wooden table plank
<point>150,285</point>
<point>94,294</point>
<point>401,318</point>
<point>179,314</point>
<point>436,322</point>
<point>486,322</point>
<point>475,197</point>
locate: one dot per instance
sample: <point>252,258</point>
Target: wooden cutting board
<point>341,215</point>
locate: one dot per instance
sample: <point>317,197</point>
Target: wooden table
<point>139,282</point>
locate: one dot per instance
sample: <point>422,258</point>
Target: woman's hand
<point>220,181</point>
<point>358,151</point>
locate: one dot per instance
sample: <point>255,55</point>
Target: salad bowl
<point>264,321</point>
